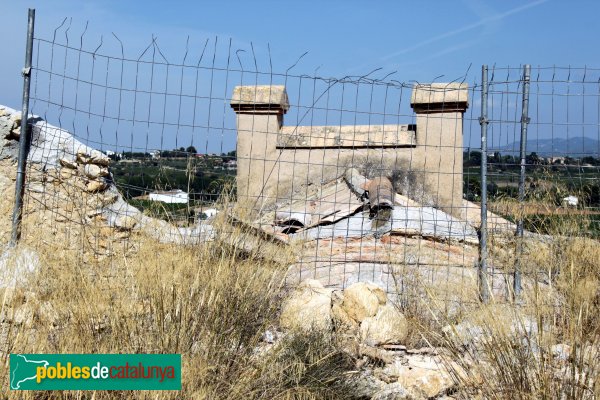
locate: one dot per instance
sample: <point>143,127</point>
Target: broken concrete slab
<point>356,181</point>
<point>410,221</point>
<point>160,230</point>
<point>333,202</point>
<point>431,222</point>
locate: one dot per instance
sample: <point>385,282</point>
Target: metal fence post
<point>483,232</point>
<point>524,122</point>
<point>24,139</point>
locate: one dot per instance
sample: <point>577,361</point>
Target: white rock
<point>96,186</point>
<point>343,322</point>
<point>308,308</point>
<point>388,326</point>
<point>366,385</point>
<point>126,222</point>
<point>494,321</point>
<point>17,264</point>
<point>269,336</point>
<point>94,171</point>
<point>210,212</point>
<point>561,351</point>
<point>430,383</point>
<point>423,377</point>
<point>65,162</point>
<point>109,198</point>
<point>93,157</point>
<point>35,187</point>
<point>393,391</point>
<point>362,300</point>
<point>53,147</point>
<point>67,173</point>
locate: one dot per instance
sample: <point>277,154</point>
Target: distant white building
<point>111,153</point>
<point>230,165</point>
<point>171,196</point>
<point>570,201</point>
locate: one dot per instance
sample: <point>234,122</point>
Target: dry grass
<point>512,352</point>
<point>211,303</point>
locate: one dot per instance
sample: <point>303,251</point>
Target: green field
<point>543,182</point>
<point>202,178</point>
<point>546,185</point>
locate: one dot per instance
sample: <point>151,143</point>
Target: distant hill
<point>574,147</point>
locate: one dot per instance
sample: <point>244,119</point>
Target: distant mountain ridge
<point>581,146</point>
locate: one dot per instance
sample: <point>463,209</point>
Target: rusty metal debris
<point>381,193</point>
<point>381,200</point>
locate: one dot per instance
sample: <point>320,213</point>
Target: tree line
<point>473,159</point>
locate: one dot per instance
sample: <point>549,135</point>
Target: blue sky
<point>419,40</point>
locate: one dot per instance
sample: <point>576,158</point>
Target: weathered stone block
<point>309,307</point>
<point>362,300</point>
<point>440,97</point>
<point>94,171</point>
<point>388,326</point>
<point>261,99</point>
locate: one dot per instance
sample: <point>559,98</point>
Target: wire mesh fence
<point>366,178</point>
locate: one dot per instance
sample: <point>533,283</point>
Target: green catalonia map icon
<point>95,372</point>
<point>23,370</point>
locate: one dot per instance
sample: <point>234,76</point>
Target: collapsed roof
<point>353,206</point>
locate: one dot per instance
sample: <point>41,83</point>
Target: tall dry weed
<point>546,345</point>
<point>211,302</point>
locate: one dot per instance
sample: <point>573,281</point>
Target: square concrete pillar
<point>259,111</point>
<point>440,108</point>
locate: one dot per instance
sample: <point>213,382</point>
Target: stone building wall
<point>278,163</point>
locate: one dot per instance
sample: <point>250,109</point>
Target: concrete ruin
<point>69,187</point>
<point>278,163</point>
